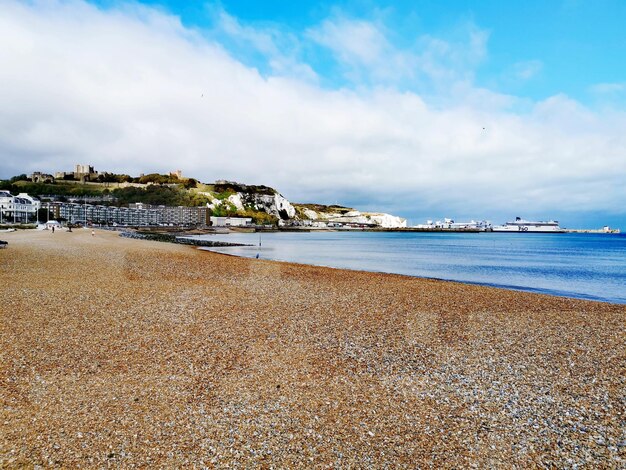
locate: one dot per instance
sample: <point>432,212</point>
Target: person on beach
<point>53,229</point>
<point>93,233</point>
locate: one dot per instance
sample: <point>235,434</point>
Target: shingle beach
<point>125,353</point>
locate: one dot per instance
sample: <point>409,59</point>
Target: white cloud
<point>355,42</point>
<point>366,54</point>
<point>134,91</point>
<point>280,50</point>
<point>525,70</point>
<point>608,88</point>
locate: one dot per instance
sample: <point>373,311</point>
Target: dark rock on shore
<point>172,238</point>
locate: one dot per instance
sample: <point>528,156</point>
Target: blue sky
<point>424,109</point>
<point>536,48</point>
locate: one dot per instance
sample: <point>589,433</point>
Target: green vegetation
<point>17,178</point>
<point>106,177</point>
<point>156,178</point>
<point>224,195</point>
<point>61,188</point>
<point>323,208</point>
<point>242,188</point>
<point>162,193</point>
<point>159,195</point>
<point>114,178</point>
<point>258,217</point>
<point>225,209</point>
<point>300,212</point>
<point>205,188</point>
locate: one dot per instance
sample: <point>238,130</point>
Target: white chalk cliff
<point>356,217</point>
<point>270,201</point>
<point>274,204</point>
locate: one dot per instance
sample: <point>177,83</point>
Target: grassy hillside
<point>59,188</point>
<point>332,209</point>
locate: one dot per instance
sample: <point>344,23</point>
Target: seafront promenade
<point>124,352</point>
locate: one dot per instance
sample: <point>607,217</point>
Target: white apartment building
<point>18,209</point>
<point>231,221</point>
<point>136,214</point>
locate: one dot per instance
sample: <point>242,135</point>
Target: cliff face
<point>258,198</point>
<point>354,217</point>
<point>264,199</point>
<point>273,204</point>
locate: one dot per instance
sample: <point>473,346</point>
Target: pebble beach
<point>116,352</point>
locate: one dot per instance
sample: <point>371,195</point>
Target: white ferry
<point>521,225</point>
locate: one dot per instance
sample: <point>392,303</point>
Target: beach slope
<point>126,353</point>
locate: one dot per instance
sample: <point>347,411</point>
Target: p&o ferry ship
<point>523,226</point>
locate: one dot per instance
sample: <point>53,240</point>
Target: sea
<point>578,265</point>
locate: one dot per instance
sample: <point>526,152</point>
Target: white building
<point>450,224</point>
<point>49,225</point>
<point>18,209</point>
<point>231,221</point>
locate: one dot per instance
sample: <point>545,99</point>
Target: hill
<point>265,205</point>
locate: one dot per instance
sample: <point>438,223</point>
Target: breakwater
<point>173,238</point>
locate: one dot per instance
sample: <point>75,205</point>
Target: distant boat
<point>524,226</point>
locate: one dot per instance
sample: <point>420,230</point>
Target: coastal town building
<point>176,215</point>
<point>137,214</point>
<point>450,224</point>
<point>99,214</point>
<point>18,209</point>
<point>141,214</point>
<point>182,215</point>
<point>231,221</point>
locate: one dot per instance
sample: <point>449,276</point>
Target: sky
<point>423,109</point>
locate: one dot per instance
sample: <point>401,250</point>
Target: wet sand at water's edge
<point>130,353</point>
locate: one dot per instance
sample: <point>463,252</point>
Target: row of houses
<point>139,214</point>
<point>135,214</point>
<point>24,208</point>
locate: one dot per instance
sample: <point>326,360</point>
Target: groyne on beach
<point>174,238</point>
<point>124,352</point>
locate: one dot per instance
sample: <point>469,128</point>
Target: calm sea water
<point>587,266</point>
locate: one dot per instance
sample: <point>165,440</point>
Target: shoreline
<point>529,290</point>
<point>123,352</point>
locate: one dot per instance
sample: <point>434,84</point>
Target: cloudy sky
<point>466,109</point>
